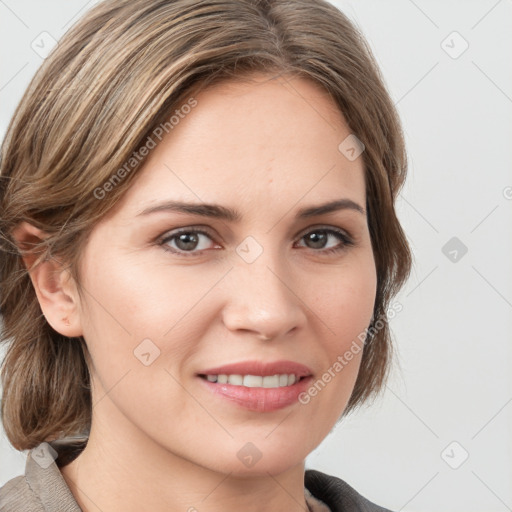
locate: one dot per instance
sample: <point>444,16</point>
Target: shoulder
<point>42,488</point>
<point>16,493</point>
<point>337,494</point>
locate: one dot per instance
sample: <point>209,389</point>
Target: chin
<point>275,454</point>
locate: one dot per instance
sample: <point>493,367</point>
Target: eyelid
<point>208,231</point>
<point>169,235</point>
<point>326,227</point>
<point>347,240</point>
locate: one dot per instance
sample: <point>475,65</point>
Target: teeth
<point>255,381</point>
<point>236,380</point>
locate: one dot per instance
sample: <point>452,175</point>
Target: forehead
<point>261,142</point>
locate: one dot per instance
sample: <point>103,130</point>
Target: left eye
<point>319,237</point>
<point>192,241</point>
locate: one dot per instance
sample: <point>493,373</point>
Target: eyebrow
<point>228,214</point>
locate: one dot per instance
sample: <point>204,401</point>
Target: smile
<point>254,381</point>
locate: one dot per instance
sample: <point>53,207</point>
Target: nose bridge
<point>262,299</point>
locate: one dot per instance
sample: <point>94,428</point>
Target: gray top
<point>43,489</point>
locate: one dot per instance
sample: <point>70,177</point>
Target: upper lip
<point>259,368</point>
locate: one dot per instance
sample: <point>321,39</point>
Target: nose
<point>264,299</point>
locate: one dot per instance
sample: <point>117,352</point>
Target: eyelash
<point>342,236</point>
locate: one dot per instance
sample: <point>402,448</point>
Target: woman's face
<point>172,295</point>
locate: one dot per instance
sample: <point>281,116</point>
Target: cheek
<point>343,308</point>
<point>345,301</point>
<point>140,327</point>
<point>133,300</point>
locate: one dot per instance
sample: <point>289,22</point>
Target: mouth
<point>258,386</point>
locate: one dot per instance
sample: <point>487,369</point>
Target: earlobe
<point>53,285</point>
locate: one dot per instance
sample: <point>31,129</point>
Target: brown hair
<point>114,77</point>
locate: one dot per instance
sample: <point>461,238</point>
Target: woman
<point>200,248</point>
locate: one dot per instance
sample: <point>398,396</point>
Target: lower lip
<point>259,399</point>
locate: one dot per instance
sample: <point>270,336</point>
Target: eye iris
<point>318,238</point>
<point>187,241</point>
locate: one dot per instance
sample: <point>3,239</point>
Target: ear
<point>55,289</point>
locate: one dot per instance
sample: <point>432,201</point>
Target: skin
<point>159,440</point>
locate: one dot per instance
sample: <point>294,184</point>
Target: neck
<point>121,468</point>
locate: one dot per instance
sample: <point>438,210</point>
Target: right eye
<point>186,242</point>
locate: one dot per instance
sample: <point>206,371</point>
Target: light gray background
<point>453,335</point>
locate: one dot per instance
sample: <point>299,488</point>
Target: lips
<point>260,368</point>
<point>258,399</point>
